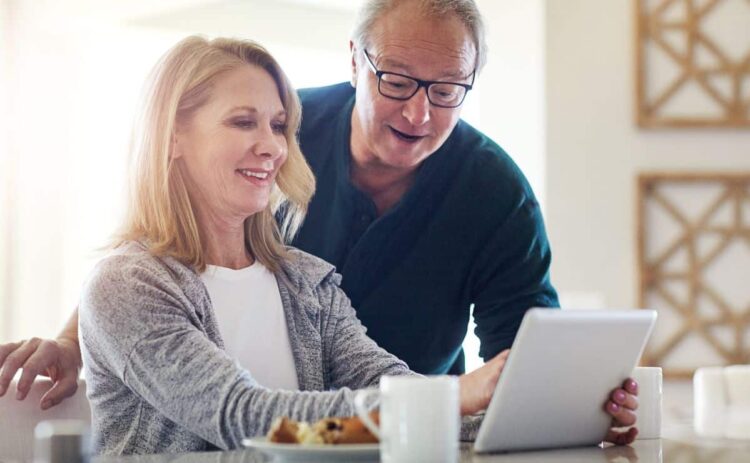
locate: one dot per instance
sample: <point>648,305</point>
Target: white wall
<point>595,151</point>
<point>4,167</point>
<point>511,88</point>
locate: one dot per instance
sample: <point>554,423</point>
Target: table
<point>679,445</point>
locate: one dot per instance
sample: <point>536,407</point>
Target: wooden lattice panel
<point>694,268</point>
<point>693,63</point>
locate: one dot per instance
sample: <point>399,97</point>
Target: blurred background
<point>557,94</point>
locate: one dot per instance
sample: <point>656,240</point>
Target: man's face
<point>401,134</point>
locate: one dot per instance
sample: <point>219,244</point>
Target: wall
<point>4,168</point>
<point>594,151</point>
<point>511,88</point>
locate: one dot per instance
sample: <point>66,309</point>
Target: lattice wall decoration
<point>694,265</point>
<point>693,63</point>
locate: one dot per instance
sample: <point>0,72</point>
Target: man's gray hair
<point>466,11</point>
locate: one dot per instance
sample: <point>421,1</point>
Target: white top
<point>251,320</point>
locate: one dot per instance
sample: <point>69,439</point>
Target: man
<point>423,215</point>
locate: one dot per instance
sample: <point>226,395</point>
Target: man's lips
<point>407,136</point>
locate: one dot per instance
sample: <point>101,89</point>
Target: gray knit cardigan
<point>159,380</point>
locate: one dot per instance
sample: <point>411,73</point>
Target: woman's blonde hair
<point>160,214</point>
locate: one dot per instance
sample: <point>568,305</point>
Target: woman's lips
<point>256,177</point>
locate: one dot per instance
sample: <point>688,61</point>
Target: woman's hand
<point>477,387</point>
<point>621,406</point>
<point>58,359</point>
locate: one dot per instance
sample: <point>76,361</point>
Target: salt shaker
<point>61,441</point>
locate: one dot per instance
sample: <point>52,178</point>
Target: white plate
<point>297,452</point>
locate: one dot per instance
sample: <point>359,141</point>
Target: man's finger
<point>62,389</point>
<point>14,361</point>
<point>6,349</point>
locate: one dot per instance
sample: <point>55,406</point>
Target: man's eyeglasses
<point>402,87</point>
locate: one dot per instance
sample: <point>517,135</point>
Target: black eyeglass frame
<point>420,83</point>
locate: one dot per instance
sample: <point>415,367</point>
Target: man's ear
<point>353,51</point>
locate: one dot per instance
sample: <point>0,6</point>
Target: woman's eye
<point>279,127</point>
<point>243,123</point>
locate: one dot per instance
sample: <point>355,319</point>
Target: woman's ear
<point>353,51</point>
<point>175,147</point>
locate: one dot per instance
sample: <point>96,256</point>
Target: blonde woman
<point>201,327</point>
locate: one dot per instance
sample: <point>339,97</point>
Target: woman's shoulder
<point>131,266</point>
<point>305,269</point>
<point>126,259</point>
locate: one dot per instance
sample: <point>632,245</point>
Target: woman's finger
<point>621,416</point>
<point>623,398</point>
<point>621,438</point>
<point>631,386</point>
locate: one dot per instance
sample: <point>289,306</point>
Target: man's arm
<point>511,275</point>
<point>59,359</point>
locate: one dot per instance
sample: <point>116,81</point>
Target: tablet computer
<point>558,376</point>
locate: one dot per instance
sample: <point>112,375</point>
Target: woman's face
<point>233,146</point>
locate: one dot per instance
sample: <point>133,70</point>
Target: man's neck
<point>384,184</point>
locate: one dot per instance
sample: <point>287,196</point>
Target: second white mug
<point>649,410</point>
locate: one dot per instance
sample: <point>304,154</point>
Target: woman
<point>202,327</point>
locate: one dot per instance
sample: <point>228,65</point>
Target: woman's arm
<point>140,331</point>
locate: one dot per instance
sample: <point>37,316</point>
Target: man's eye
<point>395,85</point>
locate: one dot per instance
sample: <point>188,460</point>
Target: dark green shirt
<point>469,231</point>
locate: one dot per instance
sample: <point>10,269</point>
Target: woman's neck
<point>224,240</point>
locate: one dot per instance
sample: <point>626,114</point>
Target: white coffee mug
<point>419,418</point>
<point>737,382</point>
<point>649,410</point>
<point>710,402</point>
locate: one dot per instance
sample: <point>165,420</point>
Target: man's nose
<point>417,108</point>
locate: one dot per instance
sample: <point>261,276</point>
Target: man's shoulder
<point>316,100</point>
<point>486,165</point>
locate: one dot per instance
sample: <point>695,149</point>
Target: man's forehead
<point>417,57</point>
<point>411,40</point>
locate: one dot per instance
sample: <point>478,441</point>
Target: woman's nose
<point>270,145</point>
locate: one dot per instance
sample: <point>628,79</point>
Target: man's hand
<point>58,359</point>
<point>621,406</point>
<point>478,386</point>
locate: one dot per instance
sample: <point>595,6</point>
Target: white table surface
<point>679,445</point>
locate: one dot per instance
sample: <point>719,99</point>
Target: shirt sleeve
<point>140,330</point>
<point>511,275</point>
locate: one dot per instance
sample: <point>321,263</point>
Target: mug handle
<point>360,407</point>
